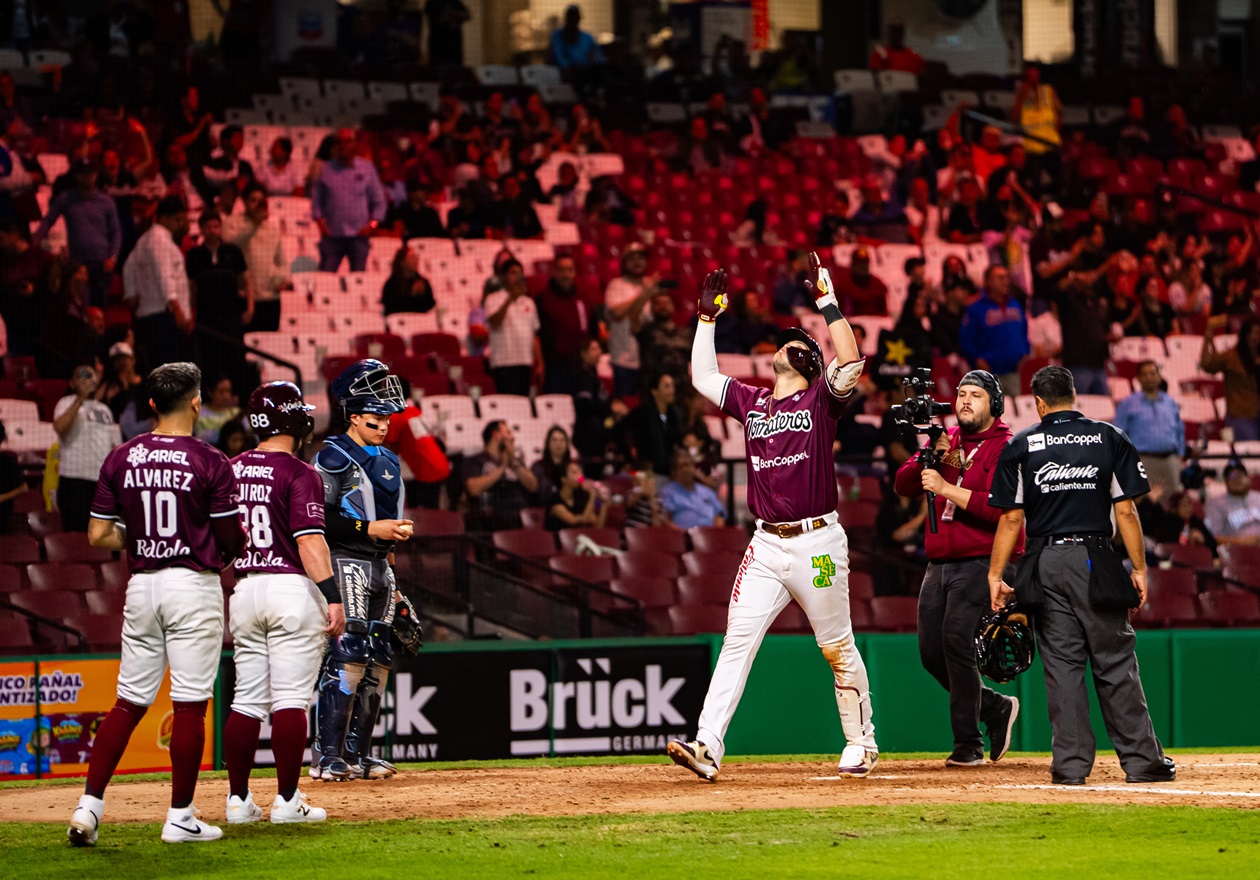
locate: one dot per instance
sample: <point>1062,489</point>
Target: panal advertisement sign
<point>74,695</point>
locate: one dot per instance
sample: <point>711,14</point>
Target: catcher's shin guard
<point>367,703</point>
<point>338,684</point>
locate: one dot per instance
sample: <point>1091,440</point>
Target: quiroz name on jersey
<point>761,425</point>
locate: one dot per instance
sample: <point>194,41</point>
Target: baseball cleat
<point>85,821</point>
<point>374,768</point>
<point>333,769</point>
<point>241,811</point>
<point>1165,771</point>
<point>963,758</point>
<point>295,810</point>
<point>857,761</point>
<point>183,826</point>
<point>1000,729</point>
<point>696,757</point>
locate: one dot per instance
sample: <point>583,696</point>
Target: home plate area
<point>1202,780</point>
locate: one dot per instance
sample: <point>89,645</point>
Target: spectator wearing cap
<point>278,175</point>
<point>259,239</point>
<point>858,290</point>
<point>626,301</point>
<point>512,318</point>
<point>1152,419</point>
<point>347,204</point>
<point>155,284</point>
<point>563,325</point>
<point>1240,368</point>
<point>994,331</point>
<point>1234,517</point>
<point>92,228</point>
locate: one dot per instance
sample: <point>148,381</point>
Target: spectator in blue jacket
<point>994,332</point>
<point>1152,420</point>
<point>573,49</point>
<point>348,204</point>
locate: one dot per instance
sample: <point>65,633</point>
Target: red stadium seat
<point>433,523</point>
<point>719,539</point>
<point>687,620</point>
<point>653,592</point>
<point>15,638</point>
<point>858,515</point>
<point>444,345</point>
<point>10,579</point>
<point>530,543</point>
<point>74,547</point>
<point>699,589</point>
<point>860,615</point>
<point>791,620</point>
<point>102,632</point>
<point>114,575</point>
<point>1231,607</point>
<point>718,567</point>
<point>533,517</point>
<point>1240,555</point>
<point>645,563</point>
<point>1168,610</point>
<point>1193,556</point>
<point>43,522</point>
<point>390,348</point>
<point>55,604</point>
<point>895,613</point>
<point>334,365</point>
<point>105,601</point>
<point>656,539</point>
<point>603,537</point>
<point>593,569</point>
<point>19,549</point>
<point>77,576</point>
<point>861,586</point>
<point>1172,582</point>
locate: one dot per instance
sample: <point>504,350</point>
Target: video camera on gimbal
<point>917,414</point>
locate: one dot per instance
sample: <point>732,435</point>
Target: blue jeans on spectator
<point>1244,429</point>
<point>1089,380</point>
<point>354,248</point>
<point>625,381</point>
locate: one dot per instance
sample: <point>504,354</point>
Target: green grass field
<point>965,841</point>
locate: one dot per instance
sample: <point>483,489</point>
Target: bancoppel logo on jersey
<point>1038,442</point>
<point>761,426</point>
<point>1055,477</point>
<point>761,464</point>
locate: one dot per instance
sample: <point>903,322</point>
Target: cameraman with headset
<point>955,592</point>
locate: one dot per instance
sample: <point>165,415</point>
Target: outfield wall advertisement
<point>50,709</point>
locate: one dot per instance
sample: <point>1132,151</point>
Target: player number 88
<point>257,522</point>
<point>259,420</point>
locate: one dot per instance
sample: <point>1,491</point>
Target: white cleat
<point>295,811</point>
<point>183,826</point>
<point>85,821</point>
<point>242,812</point>
<point>696,757</point>
<point>857,761</point>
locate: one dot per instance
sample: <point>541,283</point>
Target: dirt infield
<point>1202,780</point>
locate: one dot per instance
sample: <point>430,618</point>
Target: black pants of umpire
<point>954,597</point>
<point>1071,633</point>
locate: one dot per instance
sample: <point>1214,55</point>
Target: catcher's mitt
<point>407,626</point>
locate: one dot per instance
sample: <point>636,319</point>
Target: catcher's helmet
<point>278,408</point>
<point>807,361</point>
<point>367,387</point>
<point>1005,644</point>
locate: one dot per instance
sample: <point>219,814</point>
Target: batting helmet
<point>807,361</point>
<point>986,380</point>
<point>367,387</point>
<point>278,408</point>
<point>1005,644</point>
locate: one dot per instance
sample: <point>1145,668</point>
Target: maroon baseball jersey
<point>165,490</point>
<point>791,474</point>
<point>282,499</point>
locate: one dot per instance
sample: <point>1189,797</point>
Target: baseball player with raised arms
<point>363,496</point>
<point>169,501</point>
<point>799,550</point>
<point>285,602</point>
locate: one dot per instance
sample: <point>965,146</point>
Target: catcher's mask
<point>807,361</point>
<point>1005,644</point>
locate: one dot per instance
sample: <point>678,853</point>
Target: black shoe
<point>1000,729</point>
<point>1066,780</point>
<point>965,758</point>
<point>1162,772</point>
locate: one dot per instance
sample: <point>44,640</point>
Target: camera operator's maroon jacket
<point>971,532</point>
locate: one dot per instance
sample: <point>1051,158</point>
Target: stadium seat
<point>77,576</point>
<point>382,346</point>
<point>54,604</point>
<point>556,409</point>
<point>74,547</point>
<point>531,543</point>
<point>603,537</point>
<point>656,539</point>
<point>105,601</point>
<point>720,568</point>
<point>593,569</point>
<point>19,549</point>
<point>860,615</point>
<point>435,523</point>
<point>1231,607</point>
<point>858,514</point>
<point>1168,610</point>
<point>647,563</point>
<point>653,592</point>
<point>102,632</point>
<point>1193,556</point>
<point>791,620</point>
<point>15,637</point>
<point>861,586</point>
<point>719,539</point>
<point>533,517</point>
<point>1240,556</point>
<point>114,575</point>
<point>895,613</point>
<point>687,620</point>
<point>1172,582</point>
<point>444,345</point>
<point>511,407</point>
<point>10,579</point>
<point>700,589</point>
<point>43,522</point>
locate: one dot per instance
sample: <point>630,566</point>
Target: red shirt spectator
<point>860,292</point>
<point>897,56</point>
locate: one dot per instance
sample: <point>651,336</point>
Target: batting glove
<point>824,291</point>
<point>713,298</point>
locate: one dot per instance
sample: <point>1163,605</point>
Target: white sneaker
<point>857,761</point>
<point>183,826</point>
<point>85,821</point>
<point>696,757</point>
<point>296,810</point>
<point>241,812</point>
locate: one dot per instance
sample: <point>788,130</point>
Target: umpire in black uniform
<point>1076,480</point>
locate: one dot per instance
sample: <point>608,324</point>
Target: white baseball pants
<point>277,623</point>
<point>172,617</point>
<point>813,569</point>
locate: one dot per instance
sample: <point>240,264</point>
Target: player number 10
<point>257,522</point>
<point>160,509</point>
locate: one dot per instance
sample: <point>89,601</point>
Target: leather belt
<point>792,529</point>
<point>1058,540</point>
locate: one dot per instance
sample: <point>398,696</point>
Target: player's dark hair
<point>171,385</point>
<point>1146,363</point>
<point>1054,385</point>
<point>489,430</point>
